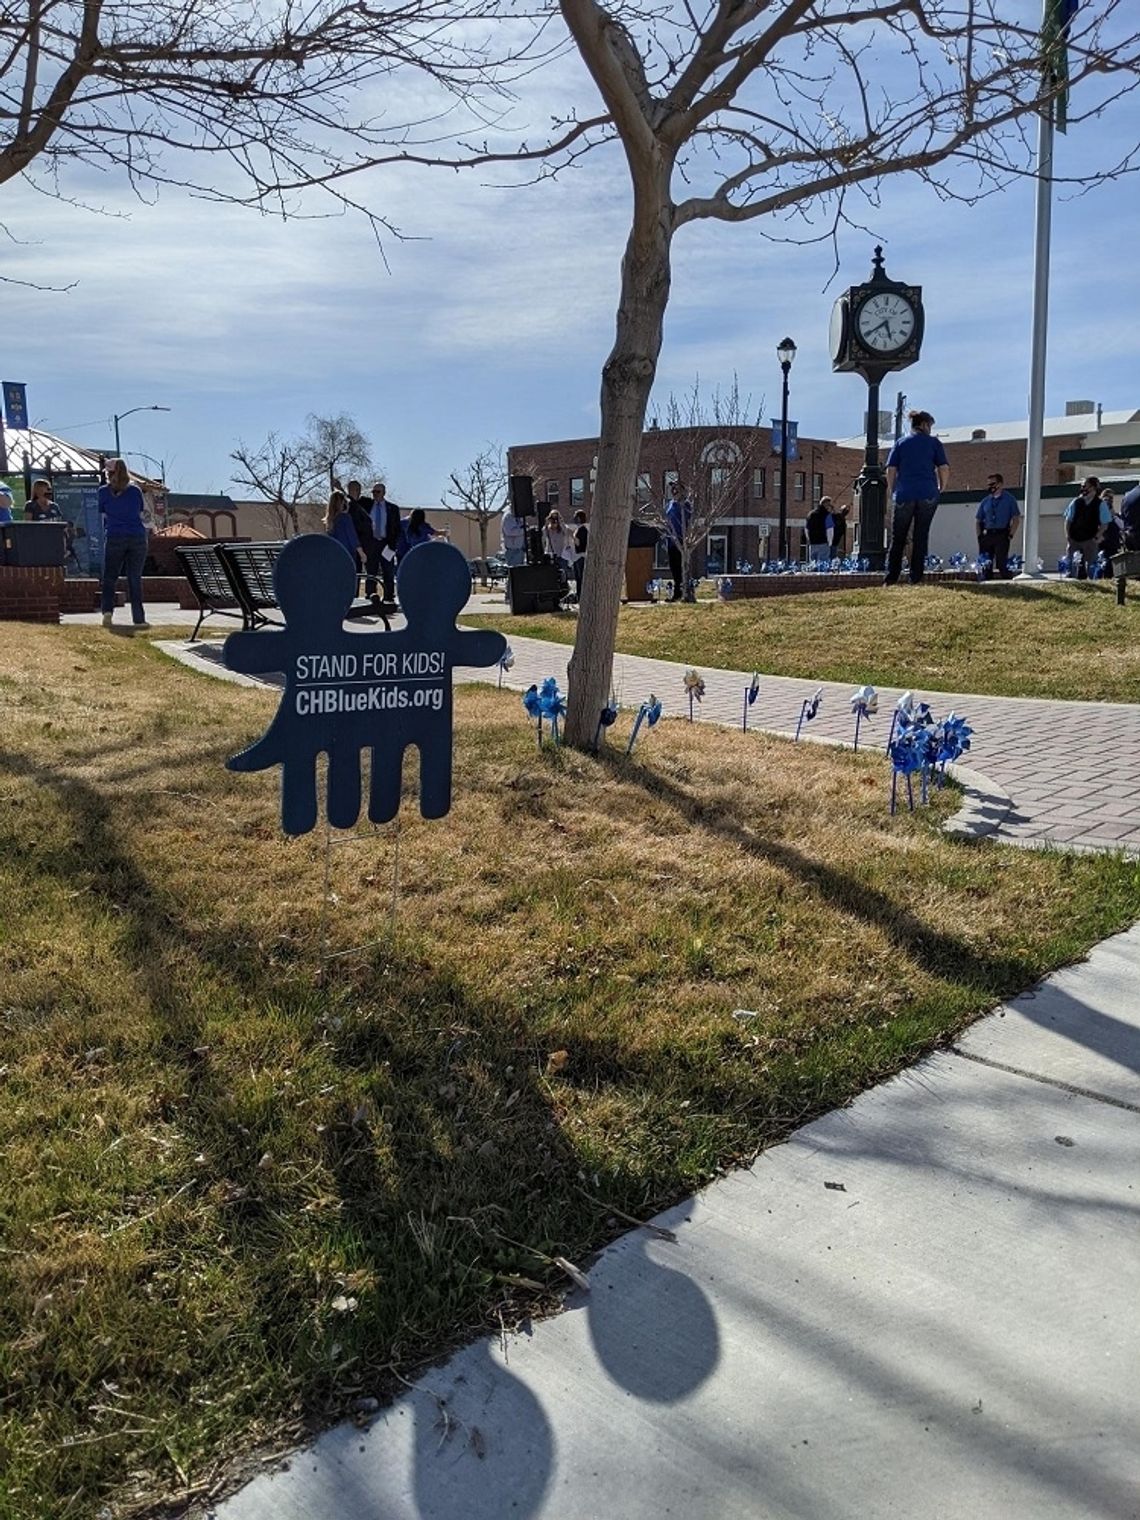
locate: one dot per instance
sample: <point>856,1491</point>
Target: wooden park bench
<point>236,580</point>
<point>1124,565</point>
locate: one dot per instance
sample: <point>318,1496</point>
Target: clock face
<point>838,327</point>
<point>885,322</point>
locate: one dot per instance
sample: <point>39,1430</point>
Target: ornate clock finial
<point>877,265</point>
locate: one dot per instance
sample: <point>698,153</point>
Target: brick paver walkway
<point>1065,768</point>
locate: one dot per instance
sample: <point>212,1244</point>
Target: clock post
<point>876,327</point>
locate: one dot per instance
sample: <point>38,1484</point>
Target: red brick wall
<point>30,593</point>
<point>82,595</point>
<point>971,464</point>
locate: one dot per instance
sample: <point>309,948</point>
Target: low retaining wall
<point>30,593</point>
<point>750,586</point>
<point>39,593</point>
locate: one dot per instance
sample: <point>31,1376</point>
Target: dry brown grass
<point>204,1148</point>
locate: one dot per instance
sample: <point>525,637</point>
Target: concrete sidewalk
<point>924,1305</point>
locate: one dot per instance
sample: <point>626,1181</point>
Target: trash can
<point>34,543</point>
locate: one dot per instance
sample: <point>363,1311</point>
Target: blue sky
<point>491,323</point>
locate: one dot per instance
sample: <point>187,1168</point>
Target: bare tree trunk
<point>483,552</point>
<point>627,380</point>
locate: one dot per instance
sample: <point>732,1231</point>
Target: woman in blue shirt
<point>414,532</point>
<point>124,542</point>
<point>339,525</point>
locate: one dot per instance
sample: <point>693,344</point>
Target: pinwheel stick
<point>894,792</point>
<point>690,704</point>
<point>894,725</point>
<point>858,718</point>
<point>637,722</point>
<point>910,790</point>
<point>744,720</point>
<point>804,705</point>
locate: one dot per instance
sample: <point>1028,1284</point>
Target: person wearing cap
<point>124,542</point>
<point>6,500</point>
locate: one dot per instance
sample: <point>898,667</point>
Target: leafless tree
<point>477,494</point>
<point>289,471</point>
<point>279,472</point>
<point>790,113</point>
<point>336,449</point>
<point>231,99</point>
<point>713,447</point>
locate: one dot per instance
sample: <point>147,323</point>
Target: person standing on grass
<point>124,542</point>
<point>678,516</point>
<point>1085,516</point>
<point>997,518</point>
<point>917,470</point>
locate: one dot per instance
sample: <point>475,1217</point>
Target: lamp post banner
<point>793,439</point>
<point>15,404</point>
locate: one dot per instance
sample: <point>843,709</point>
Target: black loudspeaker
<point>534,588</point>
<point>522,495</point>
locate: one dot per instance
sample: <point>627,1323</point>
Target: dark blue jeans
<point>921,514</point>
<point>124,556</point>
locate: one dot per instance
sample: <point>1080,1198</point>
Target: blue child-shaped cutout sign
<point>347,692</point>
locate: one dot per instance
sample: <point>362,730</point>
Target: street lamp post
<point>119,417</point>
<point>785,352</point>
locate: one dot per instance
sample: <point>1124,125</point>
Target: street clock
<point>878,326</point>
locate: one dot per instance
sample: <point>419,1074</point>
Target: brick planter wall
<point>31,593</point>
<point>82,595</point>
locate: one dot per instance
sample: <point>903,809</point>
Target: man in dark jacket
<point>1085,516</point>
<point>386,536</point>
<point>358,510</point>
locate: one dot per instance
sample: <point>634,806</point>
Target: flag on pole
<point>15,404</point>
<point>1055,54</point>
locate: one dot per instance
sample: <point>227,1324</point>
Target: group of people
<point>564,545</point>
<point>1093,529</point>
<point>825,531</point>
<point>374,533</point>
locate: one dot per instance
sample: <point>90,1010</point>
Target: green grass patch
<point>234,1200</point>
<point>1064,639</point>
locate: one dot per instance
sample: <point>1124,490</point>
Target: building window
<point>816,489</point>
<point>758,485</point>
<point>775,485</point>
<point>669,480</point>
<point>644,490</point>
<point>718,479</point>
<point>798,485</point>
<point>716,554</point>
<point>552,492</point>
<point>577,492</point>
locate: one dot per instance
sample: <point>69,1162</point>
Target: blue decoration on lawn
<point>347,692</point>
<point>808,709</point>
<point>545,702</point>
<point>606,719</point>
<point>506,660</point>
<point>751,692</point>
<point>864,704</point>
<point>649,712</point>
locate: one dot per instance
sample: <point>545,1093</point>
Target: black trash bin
<point>34,543</point>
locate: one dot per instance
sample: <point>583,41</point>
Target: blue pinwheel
<point>506,660</point>
<point>552,705</point>
<point>649,712</point>
<point>864,704</point>
<point>606,719</point>
<point>751,692</point>
<point>808,709</point>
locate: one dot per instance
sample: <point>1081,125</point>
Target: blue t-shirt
<point>124,512</point>
<point>411,538</point>
<point>916,458</point>
<point>344,531</point>
<point>5,512</point>
<point>996,513</point>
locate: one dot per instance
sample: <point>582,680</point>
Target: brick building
<point>736,463</point>
<point>746,530</point>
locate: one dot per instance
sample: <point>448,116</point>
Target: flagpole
<point>1035,445</point>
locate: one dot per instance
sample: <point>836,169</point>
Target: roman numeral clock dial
<point>885,322</point>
